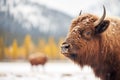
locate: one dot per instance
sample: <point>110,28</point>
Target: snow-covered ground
<point>51,71</point>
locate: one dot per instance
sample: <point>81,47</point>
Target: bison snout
<point>65,47</point>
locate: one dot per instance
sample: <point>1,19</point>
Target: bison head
<point>84,36</point>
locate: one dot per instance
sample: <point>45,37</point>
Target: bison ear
<point>102,27</point>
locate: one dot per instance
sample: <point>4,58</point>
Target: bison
<point>95,42</point>
<point>36,59</point>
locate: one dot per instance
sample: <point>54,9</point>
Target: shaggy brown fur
<point>100,50</point>
<point>37,59</point>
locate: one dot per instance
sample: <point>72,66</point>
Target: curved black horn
<point>102,18</point>
<point>80,12</point>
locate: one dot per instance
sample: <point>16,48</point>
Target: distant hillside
<point>49,22</point>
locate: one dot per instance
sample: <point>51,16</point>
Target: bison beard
<point>95,42</point>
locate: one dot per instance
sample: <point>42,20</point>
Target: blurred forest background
<point>27,27</point>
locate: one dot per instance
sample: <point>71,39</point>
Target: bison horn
<point>80,12</point>
<point>102,18</point>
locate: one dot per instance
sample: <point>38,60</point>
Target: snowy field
<point>51,71</point>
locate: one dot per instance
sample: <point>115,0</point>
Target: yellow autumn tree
<point>51,48</point>
<point>47,50</point>
<point>28,45</point>
<point>1,48</point>
<point>21,53</point>
<point>41,45</point>
<point>7,53</point>
<point>53,51</point>
<point>14,49</point>
<point>61,56</point>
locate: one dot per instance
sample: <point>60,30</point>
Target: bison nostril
<point>65,46</point>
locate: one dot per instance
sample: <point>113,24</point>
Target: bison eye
<point>87,34</point>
